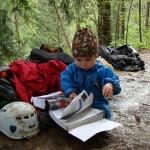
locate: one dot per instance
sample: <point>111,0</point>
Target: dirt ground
<point>131,108</point>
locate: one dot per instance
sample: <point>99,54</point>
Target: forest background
<point>27,24</point>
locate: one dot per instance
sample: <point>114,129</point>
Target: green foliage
<point>38,23</point>
<point>7,51</point>
<point>132,37</point>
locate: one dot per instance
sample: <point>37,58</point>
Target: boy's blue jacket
<point>74,79</point>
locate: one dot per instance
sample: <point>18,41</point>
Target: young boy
<point>87,73</point>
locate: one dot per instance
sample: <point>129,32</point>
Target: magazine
<point>79,103</point>
<point>77,113</point>
<point>51,101</point>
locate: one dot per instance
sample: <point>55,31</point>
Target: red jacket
<point>32,79</point>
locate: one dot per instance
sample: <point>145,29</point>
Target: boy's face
<point>85,63</point>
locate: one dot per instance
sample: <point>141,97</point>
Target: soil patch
<point>131,108</point>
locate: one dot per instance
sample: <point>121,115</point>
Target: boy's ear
<point>74,58</point>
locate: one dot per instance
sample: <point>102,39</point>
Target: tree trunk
<point>140,23</point>
<point>17,29</point>
<point>122,26</point>
<point>128,20</point>
<point>147,15</point>
<point>62,27</point>
<point>117,24</point>
<point>104,22</point>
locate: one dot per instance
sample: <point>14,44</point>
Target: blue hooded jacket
<point>74,79</point>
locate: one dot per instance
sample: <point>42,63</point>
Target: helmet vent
<point>3,110</point>
<point>26,117</point>
<point>32,126</point>
<point>18,118</point>
<point>32,115</point>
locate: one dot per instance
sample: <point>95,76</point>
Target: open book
<point>77,117</point>
<point>77,113</point>
<point>52,101</point>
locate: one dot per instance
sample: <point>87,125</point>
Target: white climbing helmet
<point>18,120</point>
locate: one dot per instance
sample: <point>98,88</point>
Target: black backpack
<point>7,92</point>
<point>123,57</point>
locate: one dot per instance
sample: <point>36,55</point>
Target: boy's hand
<point>108,90</point>
<point>72,95</point>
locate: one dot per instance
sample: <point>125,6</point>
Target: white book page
<point>78,104</point>
<point>39,101</point>
<point>87,103</point>
<point>49,95</point>
<point>87,113</point>
<point>57,113</point>
<point>72,107</point>
<point>93,128</point>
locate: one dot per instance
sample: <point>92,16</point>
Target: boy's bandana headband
<point>84,43</point>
